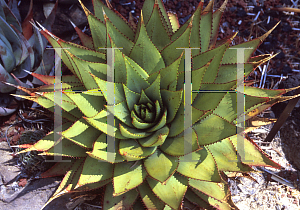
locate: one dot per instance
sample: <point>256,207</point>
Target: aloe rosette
<point>19,51</point>
<point>148,160</point>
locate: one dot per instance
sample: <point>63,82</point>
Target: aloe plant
<point>142,154</point>
<point>19,51</point>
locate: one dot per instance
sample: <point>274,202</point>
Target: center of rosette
<point>145,112</point>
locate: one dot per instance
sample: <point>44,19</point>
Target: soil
<point>240,15</point>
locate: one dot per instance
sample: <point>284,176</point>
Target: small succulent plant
<point>18,52</point>
<point>148,101</point>
<point>30,162</point>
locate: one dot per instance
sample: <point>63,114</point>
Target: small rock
<point>286,69</point>
<point>272,13</point>
<point>287,2</point>
<point>286,28</point>
<point>183,20</point>
<point>267,46</point>
<point>178,5</point>
<point>22,182</point>
<point>245,33</point>
<point>233,9</point>
<point>241,12</point>
<point>270,25</point>
<point>281,55</point>
<point>257,9</point>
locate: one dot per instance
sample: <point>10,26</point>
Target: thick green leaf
<point>132,97</point>
<point>230,55</point>
<point>127,176</point>
<point>119,65</point>
<point>121,111</point>
<point>161,166</point>
<point>139,123</point>
<point>216,22</point>
<point>66,148</point>
<point>171,52</point>
<point>98,29</point>
<point>161,123</point>
<point>171,192</point>
<point>156,29</point>
<point>253,153</point>
<point>94,171</point>
<point>79,51</point>
<point>68,104</point>
<point>149,199</point>
<point>118,38</point>
<point>202,166</point>
<point>213,202</point>
<point>195,31</point>
<point>99,121</point>
<point>206,100</point>
<point>174,145</point>
<point>145,53</point>
<point>259,92</point>
<point>72,80</point>
<point>225,156</point>
<point>70,112</point>
<point>172,101</point>
<point>227,109</point>
<point>132,133</point>
<point>153,91</point>
<point>207,58</point>
<point>192,197</point>
<point>165,19</point>
<point>156,139</point>
<point>212,129</point>
<point>205,29</point>
<point>131,150</point>
<point>197,78</point>
<point>89,103</point>
<point>147,10</point>
<point>213,68</point>
<point>82,133</point>
<point>228,72</point>
<point>168,75</point>
<point>136,77</point>
<point>115,18</point>
<point>125,200</point>
<point>216,190</point>
<point>84,76</point>
<point>100,150</point>
<point>177,125</point>
<point>118,91</point>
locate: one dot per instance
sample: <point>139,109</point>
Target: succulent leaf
<point>127,176</point>
<point>125,200</point>
<point>171,192</point>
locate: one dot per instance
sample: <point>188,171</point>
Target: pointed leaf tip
<point>74,26</point>
<point>222,8</point>
<point>262,38</point>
